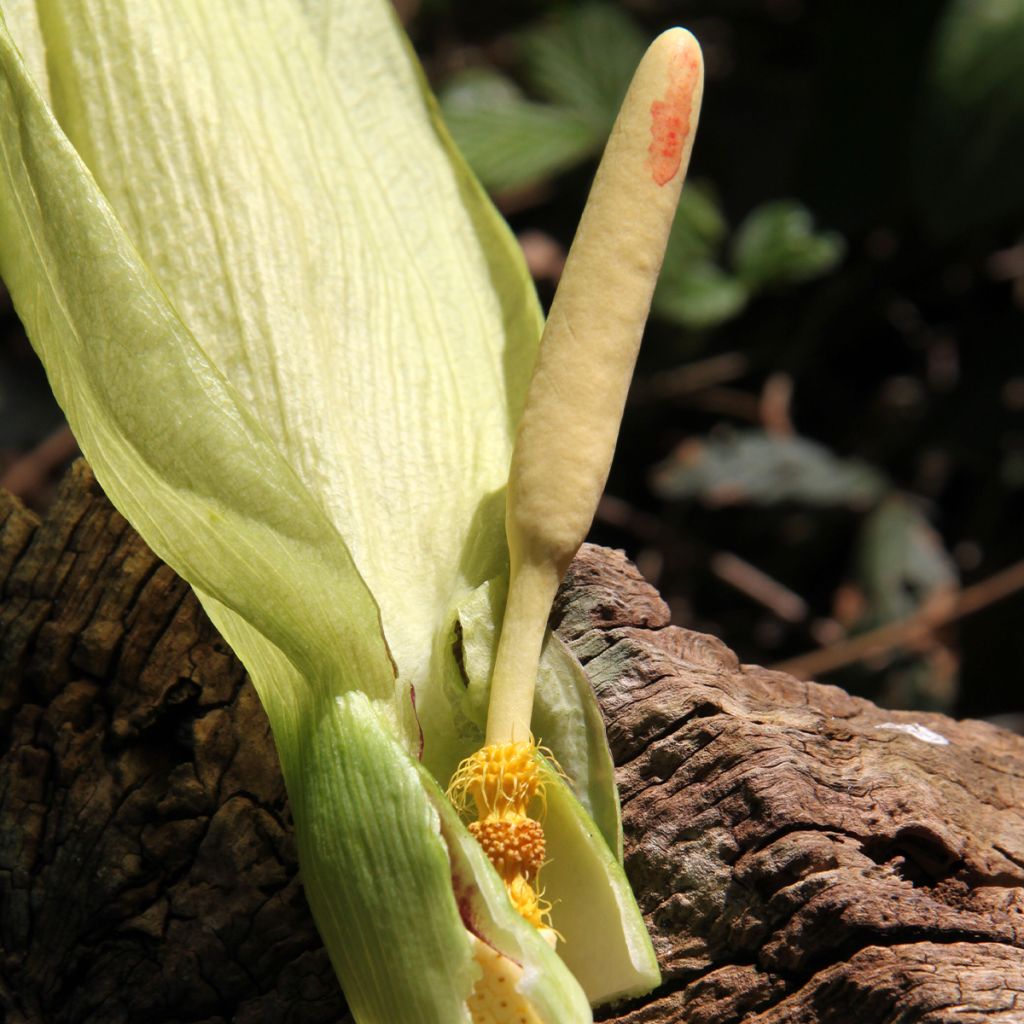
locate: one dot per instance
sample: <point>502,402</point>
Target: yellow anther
<point>515,846</point>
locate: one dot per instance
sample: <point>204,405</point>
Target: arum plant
<point>296,343</point>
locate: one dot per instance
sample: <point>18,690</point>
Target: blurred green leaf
<point>969,146</point>
<point>479,88</point>
<point>928,683</point>
<point>509,141</point>
<point>698,294</point>
<point>583,60</point>
<point>776,244</point>
<point>901,561</point>
<point>693,290</point>
<point>901,568</point>
<point>757,468</point>
<point>699,228</point>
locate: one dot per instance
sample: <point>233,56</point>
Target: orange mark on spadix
<point>670,118</point>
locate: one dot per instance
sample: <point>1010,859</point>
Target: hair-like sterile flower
<point>294,340</point>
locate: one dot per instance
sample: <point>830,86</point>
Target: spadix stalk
<point>566,436</point>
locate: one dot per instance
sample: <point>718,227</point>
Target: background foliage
<point>826,432</point>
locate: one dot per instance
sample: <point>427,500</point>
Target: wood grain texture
<point>801,855</point>
<point>147,866</point>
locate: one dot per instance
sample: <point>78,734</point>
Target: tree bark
<point>800,855</point>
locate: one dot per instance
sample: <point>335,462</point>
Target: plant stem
<point>530,593</point>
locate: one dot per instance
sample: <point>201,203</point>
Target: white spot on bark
<point>919,732</point>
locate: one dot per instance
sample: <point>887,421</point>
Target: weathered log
<point>800,855</point>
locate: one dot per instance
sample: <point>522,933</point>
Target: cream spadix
<point>566,437</point>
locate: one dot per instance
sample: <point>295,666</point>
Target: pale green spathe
<point>293,339</point>
<point>257,194</point>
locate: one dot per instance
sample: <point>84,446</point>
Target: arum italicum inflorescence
<point>296,343</point>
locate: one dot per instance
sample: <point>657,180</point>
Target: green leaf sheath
<point>383,874</point>
<point>595,899</point>
<point>222,506</point>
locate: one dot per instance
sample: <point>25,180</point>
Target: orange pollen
<point>514,846</point>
